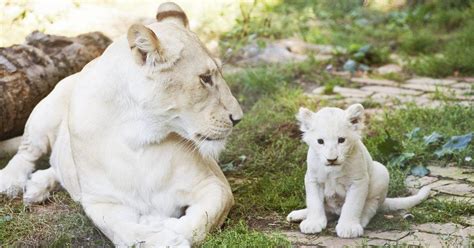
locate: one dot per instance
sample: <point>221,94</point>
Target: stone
<point>271,54</point>
<point>459,189</point>
<point>387,235</point>
<point>431,240</point>
<point>391,90</point>
<point>445,228</point>
<point>390,68</point>
<point>329,241</point>
<point>440,183</point>
<point>431,81</point>
<point>371,81</point>
<point>468,220</point>
<point>319,90</point>
<point>427,88</point>
<point>418,182</point>
<point>468,231</point>
<point>463,86</point>
<point>300,47</point>
<point>452,172</point>
<point>351,92</point>
<point>343,74</point>
<point>451,198</point>
<point>298,238</point>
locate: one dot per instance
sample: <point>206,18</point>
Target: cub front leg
<point>209,207</point>
<point>349,225</point>
<point>316,219</point>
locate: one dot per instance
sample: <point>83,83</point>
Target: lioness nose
<point>234,122</point>
<point>332,161</point>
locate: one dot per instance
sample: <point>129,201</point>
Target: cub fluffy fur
<point>133,137</point>
<point>341,177</point>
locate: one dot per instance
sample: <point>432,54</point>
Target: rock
<point>390,68</point>
<point>387,235</point>
<point>328,241</point>
<point>298,238</point>
<point>300,47</point>
<point>391,90</point>
<point>463,85</point>
<point>445,228</point>
<point>459,189</point>
<point>418,182</point>
<point>351,92</point>
<point>431,81</point>
<point>452,172</point>
<point>431,240</point>
<point>469,220</point>
<point>371,81</point>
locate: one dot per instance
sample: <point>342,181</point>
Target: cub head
<point>332,132</point>
<point>181,88</point>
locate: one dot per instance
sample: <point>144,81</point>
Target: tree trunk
<point>28,72</point>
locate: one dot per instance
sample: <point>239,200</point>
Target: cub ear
<point>145,46</point>
<point>304,117</point>
<point>355,114</point>
<point>173,13</point>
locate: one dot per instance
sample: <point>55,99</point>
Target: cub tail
<point>9,147</point>
<point>406,202</point>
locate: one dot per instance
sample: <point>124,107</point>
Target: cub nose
<point>332,161</point>
<point>234,121</point>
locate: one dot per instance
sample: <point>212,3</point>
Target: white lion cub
<point>341,177</point>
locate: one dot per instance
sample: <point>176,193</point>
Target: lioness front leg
<point>316,219</point>
<point>210,208</point>
<point>349,225</point>
<point>120,224</point>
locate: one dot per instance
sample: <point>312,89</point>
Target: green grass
<point>239,235</point>
<point>439,211</point>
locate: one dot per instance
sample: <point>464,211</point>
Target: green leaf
<point>434,137</point>
<point>402,159</point>
<point>350,65</point>
<point>413,133</point>
<point>454,144</point>
<point>419,171</point>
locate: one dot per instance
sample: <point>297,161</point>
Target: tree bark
<point>28,72</point>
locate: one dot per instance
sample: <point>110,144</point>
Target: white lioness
<point>341,177</point>
<point>134,136</point>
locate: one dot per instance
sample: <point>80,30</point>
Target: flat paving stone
<point>418,182</point>
<point>330,241</point>
<point>391,90</point>
<point>388,69</point>
<point>431,240</point>
<point>453,172</point>
<point>445,228</point>
<point>372,81</point>
<point>468,220</point>
<point>459,189</point>
<point>431,81</point>
<point>351,92</point>
<point>296,237</point>
<point>387,235</point>
<point>463,85</point>
<point>441,182</point>
<point>468,231</point>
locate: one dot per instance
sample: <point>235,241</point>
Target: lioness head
<point>182,87</point>
<point>331,132</point>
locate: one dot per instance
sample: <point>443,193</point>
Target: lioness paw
<point>313,225</point>
<point>349,230</point>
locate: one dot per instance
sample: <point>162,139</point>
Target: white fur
<point>127,141</point>
<point>351,185</point>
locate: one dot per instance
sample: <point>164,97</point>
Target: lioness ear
<point>355,115</point>
<point>144,44</point>
<point>173,13</point>
<point>304,117</point>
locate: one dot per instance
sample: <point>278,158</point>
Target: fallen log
<point>28,72</point>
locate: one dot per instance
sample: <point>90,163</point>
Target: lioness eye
<point>207,79</point>
<point>341,140</point>
<point>320,141</point>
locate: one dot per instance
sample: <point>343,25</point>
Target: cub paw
<point>12,183</point>
<point>34,193</point>
<point>167,238</point>
<point>297,215</point>
<point>349,230</point>
<point>313,225</point>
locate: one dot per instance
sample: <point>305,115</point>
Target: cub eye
<point>206,79</point>
<point>320,141</point>
<point>341,140</point>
